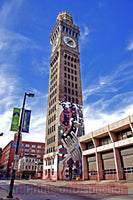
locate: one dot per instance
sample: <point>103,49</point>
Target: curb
<point>14,198</point>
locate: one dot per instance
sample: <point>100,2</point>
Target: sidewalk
<point>4,193</point>
<point>111,183</point>
<point>87,183</point>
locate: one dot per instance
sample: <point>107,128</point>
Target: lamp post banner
<point>15,119</point>
<point>26,121</point>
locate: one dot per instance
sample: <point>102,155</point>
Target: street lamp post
<point>16,151</point>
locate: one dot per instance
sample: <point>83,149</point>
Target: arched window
<point>73,33</point>
<point>65,56</point>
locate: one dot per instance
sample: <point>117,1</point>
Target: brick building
<point>8,155</point>
<point>36,149</point>
<point>0,159</point>
<point>107,153</point>
<point>0,154</point>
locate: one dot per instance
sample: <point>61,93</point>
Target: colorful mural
<point>71,126</point>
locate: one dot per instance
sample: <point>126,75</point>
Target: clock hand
<point>70,41</point>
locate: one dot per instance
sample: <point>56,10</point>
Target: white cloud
<point>112,82</point>
<point>9,98</point>
<point>8,85</point>
<point>36,132</point>
<point>42,66</point>
<point>5,122</point>
<point>84,34</point>
<point>130,46</point>
<point>12,43</point>
<point>111,104</point>
<point>2,45</point>
<point>37,128</point>
<point>8,12</point>
<point>95,119</point>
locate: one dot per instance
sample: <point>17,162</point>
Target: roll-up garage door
<point>92,169</point>
<point>109,170</point>
<point>127,162</point>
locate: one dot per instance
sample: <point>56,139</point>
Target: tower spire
<point>65,16</point>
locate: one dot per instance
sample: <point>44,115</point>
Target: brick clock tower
<point>63,159</point>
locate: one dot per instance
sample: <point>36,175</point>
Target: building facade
<point>29,167</point>
<point>36,149</point>
<point>8,156</point>
<point>0,155</point>
<point>0,160</point>
<point>62,159</point>
<point>108,152</point>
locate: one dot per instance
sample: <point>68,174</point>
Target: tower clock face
<point>55,44</point>
<point>69,41</point>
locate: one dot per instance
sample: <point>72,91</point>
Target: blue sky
<point>106,59</point>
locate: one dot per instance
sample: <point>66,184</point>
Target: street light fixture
<point>16,151</point>
<point>1,134</point>
<point>30,95</point>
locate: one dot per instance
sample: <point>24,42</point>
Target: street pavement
<point>74,190</point>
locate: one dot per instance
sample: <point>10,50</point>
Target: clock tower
<point>64,124</point>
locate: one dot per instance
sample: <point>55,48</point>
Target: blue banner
<point>26,121</point>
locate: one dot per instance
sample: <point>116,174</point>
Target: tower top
<point>63,19</point>
<point>65,16</point>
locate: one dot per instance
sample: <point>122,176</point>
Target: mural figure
<point>70,128</point>
<point>70,165</point>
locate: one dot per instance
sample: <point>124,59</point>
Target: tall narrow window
<point>65,89</point>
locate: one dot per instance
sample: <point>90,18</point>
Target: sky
<point>106,60</point>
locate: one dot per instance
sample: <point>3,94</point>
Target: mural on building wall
<point>71,126</point>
